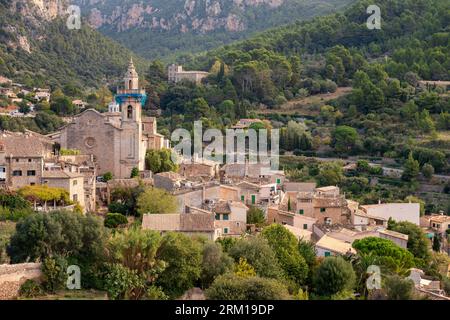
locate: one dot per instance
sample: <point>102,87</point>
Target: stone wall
<point>12,276</point>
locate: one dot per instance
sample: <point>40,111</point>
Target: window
<point>31,173</point>
<point>253,198</point>
<point>225,230</point>
<point>301,211</point>
<point>17,160</point>
<point>305,226</point>
<point>75,182</point>
<point>29,160</point>
<point>278,181</point>
<point>17,173</point>
<point>75,197</point>
<point>323,209</point>
<point>130,112</point>
<point>242,198</point>
<point>217,216</point>
<point>226,217</point>
<point>32,184</point>
<point>327,253</point>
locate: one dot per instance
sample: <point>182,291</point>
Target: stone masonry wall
<point>12,276</point>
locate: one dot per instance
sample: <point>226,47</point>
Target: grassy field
<point>300,106</point>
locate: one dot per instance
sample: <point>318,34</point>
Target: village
<point>95,154</point>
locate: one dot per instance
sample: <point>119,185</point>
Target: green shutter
<point>301,211</point>
<point>327,253</point>
<point>305,226</point>
<point>278,181</point>
<point>242,198</point>
<point>253,199</point>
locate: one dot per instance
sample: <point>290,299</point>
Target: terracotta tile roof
<point>179,222</point>
<point>335,245</point>
<point>222,207</point>
<point>59,174</point>
<point>24,144</point>
<point>299,186</point>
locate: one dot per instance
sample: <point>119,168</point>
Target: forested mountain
<point>161,28</point>
<point>37,47</point>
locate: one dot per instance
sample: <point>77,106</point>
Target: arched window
<point>130,84</point>
<point>130,112</point>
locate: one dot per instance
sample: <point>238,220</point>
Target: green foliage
<point>244,269</point>
<point>411,169</point>
<point>397,288</point>
<point>57,233</point>
<point>334,275</point>
<point>154,200</point>
<point>284,244</point>
<point>183,257</point>
<point>234,287</point>
<point>114,220</point>
<point>214,263</point>
<point>123,283</point>
<point>417,240</point>
<point>159,161</point>
<point>69,152</point>
<point>436,243</point>
<point>54,271</point>
<point>134,172</point>
<point>30,289</point>
<point>259,254</point>
<point>427,171</point>
<point>256,216</point>
<point>392,257</point>
<point>345,139</point>
<point>107,176</point>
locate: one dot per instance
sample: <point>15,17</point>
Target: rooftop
<point>335,245</point>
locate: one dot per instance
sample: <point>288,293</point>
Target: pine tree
<point>436,243</point>
<point>411,169</point>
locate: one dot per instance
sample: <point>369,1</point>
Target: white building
<point>397,211</point>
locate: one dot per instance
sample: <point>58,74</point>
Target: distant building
<point>245,123</point>
<point>328,246</point>
<point>177,74</point>
<point>397,211</point>
<point>189,224</point>
<point>73,183</point>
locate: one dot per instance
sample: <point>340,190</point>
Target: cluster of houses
<point>14,92</point>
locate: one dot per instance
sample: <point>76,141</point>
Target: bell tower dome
<point>131,78</point>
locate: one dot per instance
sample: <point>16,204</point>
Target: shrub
<point>123,283</point>
<point>54,273</point>
<point>334,275</point>
<point>398,288</point>
<point>30,289</point>
<point>233,287</point>
<point>113,220</point>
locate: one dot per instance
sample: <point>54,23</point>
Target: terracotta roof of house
<point>24,144</point>
<point>440,218</point>
<point>335,245</point>
<point>59,174</point>
<point>222,207</point>
<point>299,186</point>
<point>196,222</point>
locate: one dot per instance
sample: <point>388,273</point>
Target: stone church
<point>118,139</point>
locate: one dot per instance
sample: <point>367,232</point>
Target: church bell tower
<point>131,98</point>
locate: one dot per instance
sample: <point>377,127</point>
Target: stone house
<point>326,205</point>
<point>299,221</point>
<point>398,211</point>
<point>22,158</point>
<point>73,183</point>
<point>328,246</point>
<point>207,169</point>
<point>177,74</point>
<point>230,217</point>
<point>189,224</point>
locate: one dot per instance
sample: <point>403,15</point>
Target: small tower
<point>131,78</point>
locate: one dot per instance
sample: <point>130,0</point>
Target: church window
<point>130,112</point>
<point>90,142</point>
<point>130,85</point>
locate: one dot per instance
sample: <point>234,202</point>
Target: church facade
<point>118,139</point>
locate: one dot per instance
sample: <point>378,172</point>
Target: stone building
<point>22,158</point>
<point>177,74</point>
<point>118,139</point>
<point>73,183</point>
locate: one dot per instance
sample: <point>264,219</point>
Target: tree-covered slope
<point>162,29</point>
<point>37,47</point>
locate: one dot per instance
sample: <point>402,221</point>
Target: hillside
<point>37,48</point>
<point>163,29</point>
